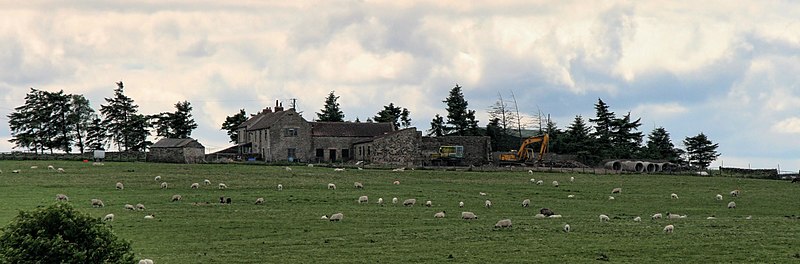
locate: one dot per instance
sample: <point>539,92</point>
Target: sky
<point>728,69</point>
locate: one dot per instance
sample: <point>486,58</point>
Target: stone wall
<point>401,148</point>
<point>176,155</point>
<point>276,144</point>
<point>476,148</point>
<point>337,144</point>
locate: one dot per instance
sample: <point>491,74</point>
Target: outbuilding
<point>177,150</point>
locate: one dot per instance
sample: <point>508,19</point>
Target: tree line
<point>56,121</point>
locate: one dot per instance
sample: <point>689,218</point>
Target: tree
<point>80,116</point>
<point>626,143</point>
<point>59,234</point>
<point>96,134</point>
<point>701,150</point>
<point>505,114</point>
<point>438,128</point>
<point>495,132</point>
<point>330,112</point>
<point>117,117</point>
<point>232,123</point>
<point>556,136</point>
<point>461,120</point>
<point>393,114</point>
<point>137,130</point>
<point>660,147</point>
<point>178,124</point>
<point>602,129</point>
<point>28,122</point>
<point>59,129</point>
<point>405,119</point>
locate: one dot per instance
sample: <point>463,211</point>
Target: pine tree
<point>118,116</point>
<point>460,119</point>
<point>59,129</point>
<point>626,143</point>
<point>330,112</point>
<point>80,116</point>
<point>577,138</point>
<point>389,114</point>
<point>701,150</point>
<point>232,123</point>
<point>28,122</point>
<point>178,124</point>
<point>556,136</point>
<point>137,131</point>
<point>405,120</point>
<point>602,129</point>
<point>495,132</point>
<point>438,128</point>
<point>660,147</point>
<point>96,134</point>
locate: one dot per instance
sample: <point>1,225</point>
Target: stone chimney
<point>267,110</point>
<point>278,106</point>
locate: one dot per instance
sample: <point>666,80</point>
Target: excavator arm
<point>523,155</point>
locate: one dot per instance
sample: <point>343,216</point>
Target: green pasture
<point>288,229</point>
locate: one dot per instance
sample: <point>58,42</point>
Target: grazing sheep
<point>673,216</point>
<point>546,212</point>
<point>555,216</point>
<point>439,215</point>
<point>60,170</point>
<point>150,216</point>
<point>16,171</point>
<point>735,193</point>
<point>555,183</point>
<point>260,200</point>
<point>732,205</point>
<point>222,199</point>
<point>194,185</point>
<point>461,204</point>
<point>119,186</point>
<point>50,167</point>
<point>795,179</point>
<point>526,203</point>
<point>287,168</point>
<point>530,171</point>
<point>158,178</point>
<point>410,202</point>
<point>140,207</point>
<point>176,197</point>
<point>656,216</point>
<point>164,185</point>
<point>394,200</point>
<point>396,182</point>
<point>380,200</point>
<point>718,197</point>
<point>637,219</point>
<point>98,164</point>
<point>310,165</point>
<point>468,216</point>
<point>338,169</point>
<point>34,167</point>
<point>749,217</point>
<point>482,193</point>
<point>539,216</point>
<point>324,217</point>
<point>146,261</point>
<point>129,207</point>
<point>571,179</point>
<point>358,185</point>
<point>611,197</point>
<point>399,169</point>
<point>668,229</point>
<point>331,186</point>
<point>363,199</point>
<point>604,218</point>
<point>206,182</point>
<point>532,180</point>
<point>674,196</point>
<point>616,190</point>
<point>223,186</point>
<point>571,196</point>
<point>711,218</point>
<point>337,217</point>
<point>503,223</point>
<point>97,203</point>
<point>539,182</point>
<point>488,204</point>
<point>280,187</point>
<point>428,203</point>
<point>109,217</point>
<point>61,197</point>
<point>566,228</point>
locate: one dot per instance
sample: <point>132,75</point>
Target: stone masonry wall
<point>401,148</point>
<point>476,148</point>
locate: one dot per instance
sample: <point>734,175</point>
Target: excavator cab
<point>526,152</point>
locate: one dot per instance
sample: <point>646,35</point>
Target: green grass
<point>287,228</point>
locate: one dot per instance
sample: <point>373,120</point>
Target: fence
<point>110,156</point>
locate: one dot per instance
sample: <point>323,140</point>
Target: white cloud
<point>789,126</point>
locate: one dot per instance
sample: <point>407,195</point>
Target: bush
<point>59,234</point>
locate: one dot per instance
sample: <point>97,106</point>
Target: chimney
<point>278,106</point>
<point>267,110</point>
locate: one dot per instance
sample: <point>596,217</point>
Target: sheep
<point>487,204</point>
<point>60,170</point>
<point>260,200</point>
<point>396,182</point>
<point>637,219</point>
<point>718,197</point>
<point>176,197</point>
<point>129,207</point>
<point>16,171</point>
<point>571,196</point>
<point>338,169</point>
<point>310,165</point>
<point>673,196</point>
<point>795,179</point>
<point>34,167</point>
<point>336,217</point>
<point>668,229</point>
<point>673,216</point>
<point>287,168</point>
<point>439,215</point>
<point>571,179</point>
<point>158,178</point>
<point>97,203</point>
<point>164,185</point>
<point>380,201</point>
<point>555,216</point>
<point>324,217</point>
<point>616,190</point>
<point>461,204</point>
<point>656,216</point>
<point>399,169</point>
<point>50,167</point>
<point>280,187</point>
<point>555,183</point>
<point>732,205</point>
<point>532,180</point>
<point>223,186</point>
<point>119,186</point>
<point>711,218</point>
<point>146,261</point>
<point>566,228</point>
<point>539,182</point>
<point>358,185</point>
<point>360,168</point>
<point>150,216</point>
<point>394,200</point>
<point>228,200</point>
<point>539,216</point>
<point>468,216</point>
<point>109,217</point>
<point>331,186</point>
<point>410,202</point>
<point>604,218</point>
<point>482,193</point>
<point>546,212</point>
<point>98,164</point>
<point>61,197</point>
<point>749,217</point>
<point>428,203</point>
<point>206,182</point>
<point>363,199</point>
<point>503,223</point>
<point>526,203</point>
<point>222,199</point>
<point>194,186</point>
<point>735,193</point>
<point>611,197</point>
<point>140,207</point>
<point>530,171</point>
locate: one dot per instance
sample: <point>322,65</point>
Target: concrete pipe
<point>659,166</point>
<point>649,167</point>
<point>613,165</point>
<point>632,166</point>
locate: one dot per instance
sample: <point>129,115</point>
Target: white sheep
<point>158,178</point>
<point>526,203</point>
<point>571,196</point>
<point>331,186</point>
<point>206,182</point>
<point>539,216</point>
<point>555,216</point>
<point>539,182</point>
<point>358,185</point>
<point>129,207</point>
<point>482,193</point>
<point>119,186</point>
<point>468,216</point>
<point>338,169</point>
<point>34,167</point>
<point>637,219</point>
<point>487,204</point>
<point>61,197</point>
<point>461,204</point>
<point>749,217</point>
<point>566,228</point>
<point>439,215</point>
<point>428,203</point>
<point>668,229</point>
<point>363,199</point>
<point>260,200</point>
<point>604,218</point>
<point>140,207</point>
<point>98,164</point>
<point>109,217</point>
<point>616,190</point>
<point>530,171</point>
<point>735,193</point>
<point>410,202</point>
<point>337,217</point>
<point>732,205</point>
<point>555,183</point>
<point>280,187</point>
<point>380,200</point>
<point>399,169</point>
<point>532,180</point>
<point>674,196</point>
<point>164,185</point>
<point>571,179</point>
<point>656,216</point>
<point>16,171</point>
<point>146,261</point>
<point>503,223</point>
<point>394,200</point>
<point>50,167</point>
<point>150,216</point>
<point>287,168</point>
<point>60,170</point>
<point>396,182</point>
<point>176,197</point>
<point>223,186</point>
<point>195,186</point>
<point>718,197</point>
<point>711,218</point>
<point>97,203</point>
<point>324,217</point>
<point>611,197</point>
<point>310,165</point>
<point>674,216</point>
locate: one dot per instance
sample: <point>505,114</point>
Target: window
<point>320,153</point>
<point>290,132</point>
<point>369,151</point>
<point>332,155</point>
<point>291,154</point>
<point>345,154</point>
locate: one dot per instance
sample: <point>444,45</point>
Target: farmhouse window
<point>345,154</point>
<point>291,132</point>
<point>291,153</point>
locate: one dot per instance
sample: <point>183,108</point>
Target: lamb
<point>428,203</point>
<point>732,205</point>
<point>611,197</point>
<point>399,169</point>
<point>97,203</point>
<point>439,215</point>
<point>338,169</point>
<point>674,196</point>
<point>129,207</point>
<point>60,170</point>
<point>150,216</point>
<point>394,200</point>
<point>539,216</point>
<point>223,186</point>
<point>488,204</point>
<point>735,193</point>
<point>566,228</point>
<point>164,185</point>
<point>158,178</point>
<point>604,218</point>
<point>468,216</point>
<point>109,217</point>
<point>146,261</point>
<point>461,204</point>
<point>668,229</point>
<point>176,197</point>
<point>363,199</point>
<point>310,165</point>
<point>532,180</point>
<point>98,164</point>
<point>194,185</point>
<point>260,200</point>
<point>616,190</point>
<point>656,216</point>
<point>482,193</point>
<point>526,203</point>
<point>324,217</point>
<point>206,182</point>
<point>331,186</point>
<point>396,182</point>
<point>380,200</point>
<point>61,197</point>
<point>571,196</point>
<point>637,219</point>
<point>539,182</point>
<point>287,168</point>
<point>358,185</point>
<point>503,223</point>
<point>280,187</point>
<point>673,216</point>
<point>546,212</point>
<point>119,186</point>
<point>336,217</point>
<point>140,207</point>
<point>718,197</point>
<point>410,202</point>
<point>228,200</point>
<point>555,216</point>
<point>50,167</point>
<point>555,183</point>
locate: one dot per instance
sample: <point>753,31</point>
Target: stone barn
<point>177,150</point>
<point>401,148</point>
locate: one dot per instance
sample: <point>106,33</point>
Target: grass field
<point>288,229</point>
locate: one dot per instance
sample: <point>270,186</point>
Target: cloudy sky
<point>728,69</point>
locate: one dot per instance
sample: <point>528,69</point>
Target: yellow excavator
<point>525,153</point>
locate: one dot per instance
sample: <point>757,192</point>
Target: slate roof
<point>177,143</point>
<point>347,129</point>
